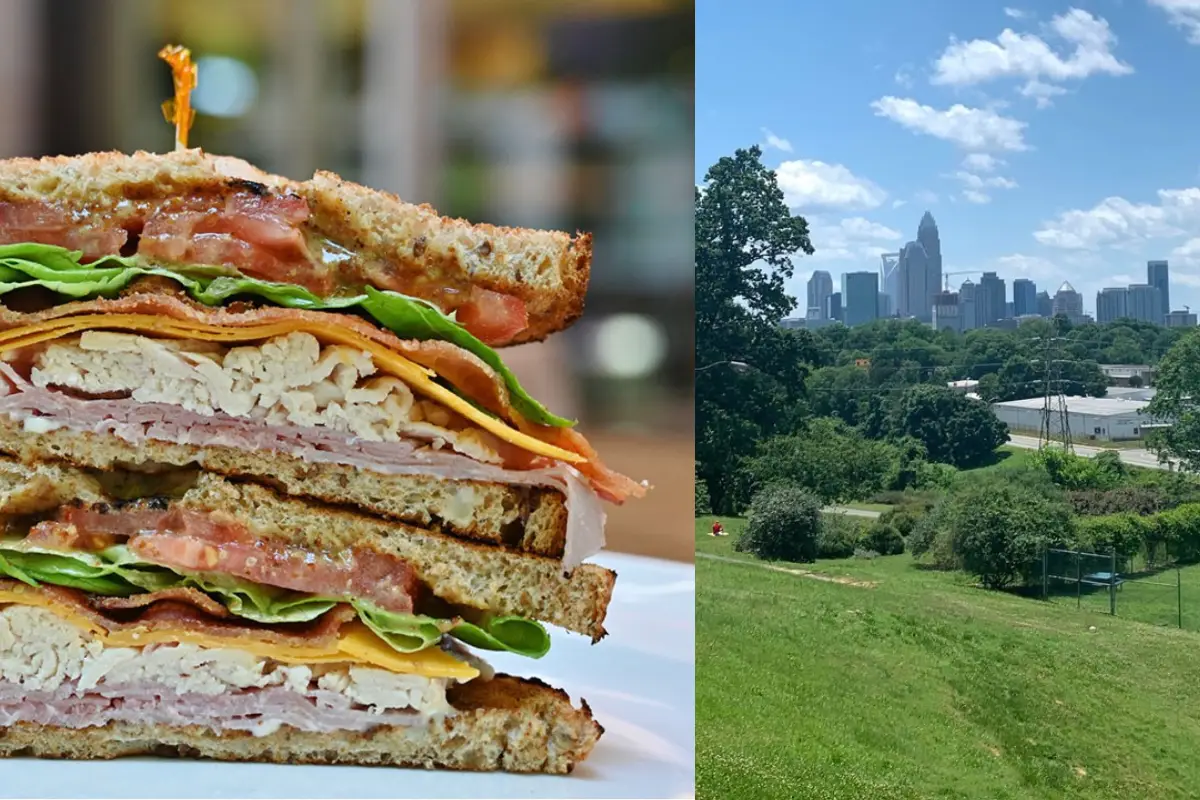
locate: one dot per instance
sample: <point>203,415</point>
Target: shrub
<point>1125,533</point>
<point>1133,499</point>
<point>998,532</point>
<point>839,536</point>
<point>883,538</point>
<point>783,525</point>
<point>905,519</point>
<point>703,506</point>
<point>1179,529</point>
<point>867,554</point>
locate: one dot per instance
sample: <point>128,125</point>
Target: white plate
<point>639,682</point>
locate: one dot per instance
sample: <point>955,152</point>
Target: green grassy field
<point>897,682</point>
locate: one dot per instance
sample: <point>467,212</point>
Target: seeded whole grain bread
<point>466,573</point>
<point>548,270</point>
<point>521,518</point>
<point>505,723</point>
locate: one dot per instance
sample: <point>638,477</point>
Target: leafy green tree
<point>834,462</point>
<point>745,241</point>
<point>1177,401</point>
<point>703,502</point>
<point>998,532</point>
<point>783,526</point>
<point>952,428</point>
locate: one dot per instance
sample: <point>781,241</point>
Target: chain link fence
<point>1110,584</point>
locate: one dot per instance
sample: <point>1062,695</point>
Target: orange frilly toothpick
<point>178,110</point>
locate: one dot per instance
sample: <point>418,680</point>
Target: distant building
<point>989,300</point>
<point>946,312</point>
<point>1123,374</point>
<point>1068,301</point>
<point>964,386</point>
<point>1157,275</point>
<point>885,305</point>
<point>820,286</point>
<point>1181,319</point>
<point>927,235</point>
<point>967,307</point>
<point>833,307</point>
<point>916,292</point>
<point>793,323</point>
<point>1045,305</point>
<point>1112,303</point>
<point>861,304</point>
<point>889,277</point>
<point>1024,298</point>
<point>1144,303</point>
<point>1089,418</point>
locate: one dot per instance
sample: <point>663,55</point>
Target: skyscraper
<point>916,293</point>
<point>861,299</point>
<point>1158,277</point>
<point>820,286</point>
<point>1068,301</point>
<point>889,276</point>
<point>1144,303</point>
<point>1045,306</point>
<point>947,312</point>
<point>967,306</point>
<point>1181,319</point>
<point>989,300</point>
<point>1024,297</point>
<point>1112,303</point>
<point>927,235</point>
<point>833,306</point>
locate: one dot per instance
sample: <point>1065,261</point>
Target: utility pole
<point>1054,400</point>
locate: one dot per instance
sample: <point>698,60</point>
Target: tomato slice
<point>493,317</point>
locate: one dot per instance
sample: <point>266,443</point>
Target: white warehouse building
<point>1108,419</point>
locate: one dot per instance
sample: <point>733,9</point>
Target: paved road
<point>852,512</point>
<point>1138,457</point>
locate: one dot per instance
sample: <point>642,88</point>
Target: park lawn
<point>911,683</point>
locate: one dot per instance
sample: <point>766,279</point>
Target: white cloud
<point>1117,222</point>
<point>777,142</point>
<point>976,186</point>
<point>977,197</point>
<point>903,77</point>
<point>1041,93</point>
<point>925,197</point>
<point>1187,253</point>
<point>1024,55</point>
<point>1014,13</point>
<point>1036,268</point>
<point>815,184</point>
<point>970,128</point>
<point>981,162</point>
<point>851,238</point>
<point>1183,14</point>
<point>899,203</point>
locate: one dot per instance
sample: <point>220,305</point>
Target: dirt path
<point>802,573</point>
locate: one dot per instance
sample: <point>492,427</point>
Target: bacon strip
<point>193,541</point>
<point>173,615</point>
<point>188,595</point>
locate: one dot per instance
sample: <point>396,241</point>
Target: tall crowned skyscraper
<point>927,235</point>
<point>820,286</point>
<point>916,293</point>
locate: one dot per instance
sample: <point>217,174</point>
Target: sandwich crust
<point>548,270</point>
<point>505,723</point>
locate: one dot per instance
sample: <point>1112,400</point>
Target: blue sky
<point>1054,141</point>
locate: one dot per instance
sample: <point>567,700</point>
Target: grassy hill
<point>886,681</point>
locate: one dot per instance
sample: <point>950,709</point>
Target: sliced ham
<point>193,541</point>
<point>259,711</point>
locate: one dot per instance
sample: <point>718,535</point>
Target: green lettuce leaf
<point>115,571</point>
<point>59,270</point>
<point>409,632</point>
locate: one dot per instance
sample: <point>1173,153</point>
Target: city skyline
<point>1026,135</point>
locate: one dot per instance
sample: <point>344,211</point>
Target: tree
<point>998,530</point>
<point>703,503</point>
<point>833,462</point>
<point>745,241</point>
<point>783,526</point>
<point>1177,401</point>
<point>953,428</point>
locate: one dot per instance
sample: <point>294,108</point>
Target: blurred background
<point>534,113</point>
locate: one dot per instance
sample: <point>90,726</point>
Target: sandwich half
<point>268,490</point>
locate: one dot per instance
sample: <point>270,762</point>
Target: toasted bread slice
<point>470,574</point>
<point>502,724</point>
<point>547,270</point>
<point>521,518</point>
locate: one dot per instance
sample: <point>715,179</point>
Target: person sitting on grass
<point>717,529</point>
